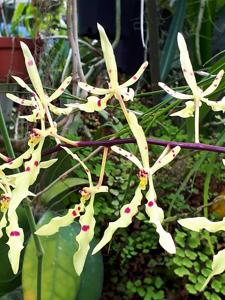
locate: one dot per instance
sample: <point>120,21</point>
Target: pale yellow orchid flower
<point>115,89</point>
<point>40,101</point>
<point>146,172</point>
<point>197,96</point>
<point>87,220</point>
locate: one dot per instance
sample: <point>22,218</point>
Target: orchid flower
<point>145,175</point>
<point>116,90</point>
<point>197,96</point>
<point>199,223</point>
<point>87,220</point>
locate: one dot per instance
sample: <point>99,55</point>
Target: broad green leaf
<point>60,187</point>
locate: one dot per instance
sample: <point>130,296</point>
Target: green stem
<point>27,207</point>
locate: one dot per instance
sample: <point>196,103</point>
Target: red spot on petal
<point>135,77</point>
<point>74,213</point>
<point>62,89</point>
<point>30,62</point>
<point>99,102</point>
<point>14,233</point>
<point>36,163</point>
<point>110,71</point>
<point>127,210</point>
<point>151,203</point>
<point>27,169</point>
<point>85,227</point>
<point>78,208</point>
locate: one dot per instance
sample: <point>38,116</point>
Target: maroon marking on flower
<point>127,210</point>
<point>27,169</point>
<point>62,89</point>
<point>10,162</point>
<point>151,203</point>
<point>184,70</point>
<point>135,77</point>
<point>74,213</point>
<point>33,94</point>
<point>85,227</point>
<point>78,208</point>
<point>36,163</point>
<point>14,233</point>
<point>99,102</point>
<point>110,71</point>
<point>30,62</point>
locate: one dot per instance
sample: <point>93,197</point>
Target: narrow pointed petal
<point>17,162</point>
<point>58,111</point>
<point>199,223</point>
<point>136,76</point>
<point>163,161</point>
<point>61,89</point>
<point>15,242</point>
<point>174,93</point>
<point>156,216</point>
<point>216,105</point>
<point>56,223</point>
<point>214,84</point>
<point>48,163</point>
<point>92,89</point>
<point>18,100</point>
<point>32,70</point>
<point>186,64</point>
<point>109,57</point>
<point>23,84</point>
<point>139,135</point>
<point>187,112</point>
<point>127,212</point>
<point>128,155</point>
<point>218,266</point>
<point>87,223</point>
<point>32,118</point>
<point>3,223</point>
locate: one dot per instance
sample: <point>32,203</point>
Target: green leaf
<point>216,285</point>
<point>191,289</point>
<point>191,254</point>
<point>60,187</point>
<point>59,279</point>
<point>182,271</point>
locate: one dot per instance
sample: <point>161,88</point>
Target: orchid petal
<point>139,135</point>
<point>127,212</point>
<point>19,100</point>
<point>33,117</point>
<point>156,216</point>
<point>48,163</point>
<point>214,84</point>
<point>128,155</point>
<point>87,223</point>
<point>136,76</point>
<point>187,112</point>
<point>56,223</point>
<point>186,64</point>
<point>60,90</point>
<point>15,242</point>
<point>59,111</point>
<point>17,162</point>
<point>216,105</point>
<point>109,57</point>
<point>199,223</point>
<point>218,266</point>
<point>3,223</point>
<point>174,93</point>
<point>127,93</point>
<point>166,159</point>
<point>23,84</point>
<point>32,71</point>
<point>92,89</point>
